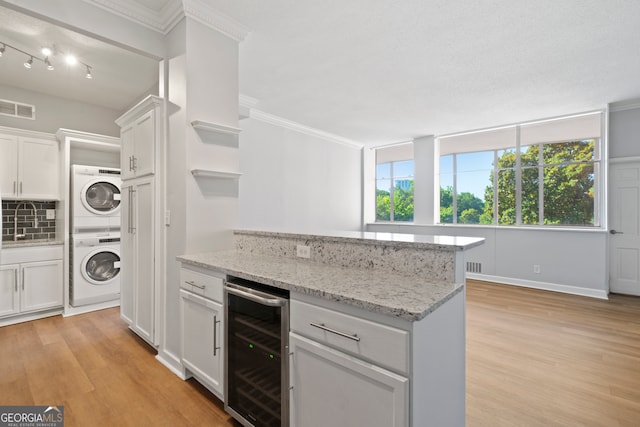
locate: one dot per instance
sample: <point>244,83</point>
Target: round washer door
<point>101,266</point>
<point>101,197</point>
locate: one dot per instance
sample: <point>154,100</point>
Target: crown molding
<point>297,127</point>
<point>212,18</point>
<point>624,105</point>
<point>172,12</point>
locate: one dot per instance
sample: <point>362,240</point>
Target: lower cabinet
<point>331,388</point>
<point>202,320</point>
<point>202,337</point>
<point>30,287</point>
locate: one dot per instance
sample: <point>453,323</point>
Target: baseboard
<point>12,320</point>
<point>172,362</point>
<point>565,289</point>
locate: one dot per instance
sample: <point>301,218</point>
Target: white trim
<point>630,159</point>
<point>132,11</point>
<point>247,101</point>
<point>171,362</point>
<point>620,106</point>
<point>555,287</point>
<point>70,310</point>
<point>27,133</point>
<point>288,124</point>
<point>12,320</point>
<point>394,144</point>
<point>212,18</point>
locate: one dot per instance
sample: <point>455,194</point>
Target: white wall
<point>53,113</point>
<point>624,133</point>
<point>296,181</point>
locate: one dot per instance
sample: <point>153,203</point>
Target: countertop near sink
<point>407,297</point>
<point>29,243</point>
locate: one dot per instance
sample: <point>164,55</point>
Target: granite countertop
<point>415,241</point>
<point>29,243</point>
<point>407,297</point>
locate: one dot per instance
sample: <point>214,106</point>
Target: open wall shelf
<point>217,183</point>
<point>216,134</point>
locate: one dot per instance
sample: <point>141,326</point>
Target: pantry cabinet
<point>29,168</point>
<point>139,133</point>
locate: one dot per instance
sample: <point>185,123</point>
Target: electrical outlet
<point>303,251</point>
<point>51,214</point>
<point>536,269</point>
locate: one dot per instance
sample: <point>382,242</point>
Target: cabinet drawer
<point>380,344</point>
<point>207,285</point>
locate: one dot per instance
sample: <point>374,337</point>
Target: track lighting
<point>48,53</point>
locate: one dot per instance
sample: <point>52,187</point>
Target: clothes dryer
<point>95,199</point>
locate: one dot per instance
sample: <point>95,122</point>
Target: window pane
<point>564,152</point>
<point>529,155</point>
<point>530,196</point>
<point>569,195</point>
<point>403,169</point>
<point>446,165</point>
<point>383,202</point>
<point>507,197</point>
<point>468,162</point>
<point>446,189</point>
<point>383,171</point>
<point>403,200</point>
<point>472,187</point>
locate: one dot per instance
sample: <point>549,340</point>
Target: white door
<point>9,294</point>
<point>127,151</point>
<point>330,388</point>
<point>38,169</point>
<point>41,285</point>
<point>202,339</point>
<point>624,224</point>
<point>127,256</point>
<point>145,144</point>
<point>144,269</point>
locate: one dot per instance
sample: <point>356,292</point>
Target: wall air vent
<point>17,109</point>
<point>474,267</point>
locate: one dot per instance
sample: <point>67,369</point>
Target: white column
<point>426,156</point>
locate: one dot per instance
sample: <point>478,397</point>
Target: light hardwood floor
<point>534,358</point>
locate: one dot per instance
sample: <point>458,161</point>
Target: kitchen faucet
<point>15,220</point>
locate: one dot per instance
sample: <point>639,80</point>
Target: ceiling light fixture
<point>48,53</point>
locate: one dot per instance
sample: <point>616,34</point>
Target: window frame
<point>392,178</point>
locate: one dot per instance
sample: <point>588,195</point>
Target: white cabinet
<point>29,168</point>
<point>138,284</point>
<point>338,370</point>
<point>29,285</point>
<point>202,320</point>
<point>331,388</point>
<point>139,133</point>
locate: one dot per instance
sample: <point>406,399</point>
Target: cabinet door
<point>41,285</point>
<point>145,141</point>
<point>330,388</point>
<point>127,151</point>
<point>38,169</point>
<point>144,274</point>
<point>9,165</point>
<point>9,293</point>
<point>202,339</point>
<point>127,255</point>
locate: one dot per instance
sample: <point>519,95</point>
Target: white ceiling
<point>382,71</point>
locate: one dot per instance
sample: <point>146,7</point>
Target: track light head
<point>29,63</point>
<point>2,49</point>
<point>48,63</point>
<point>88,75</point>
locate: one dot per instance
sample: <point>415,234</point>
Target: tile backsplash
<point>46,227</point>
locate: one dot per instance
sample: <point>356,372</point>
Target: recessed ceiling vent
<point>17,109</point>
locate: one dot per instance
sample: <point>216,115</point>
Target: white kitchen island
<point>391,347</point>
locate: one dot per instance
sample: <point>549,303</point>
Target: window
<point>394,183</point>
<point>536,174</point>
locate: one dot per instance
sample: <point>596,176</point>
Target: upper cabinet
<point>29,168</point>
<point>139,131</point>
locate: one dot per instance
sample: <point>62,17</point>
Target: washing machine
<point>95,199</point>
<point>96,268</point>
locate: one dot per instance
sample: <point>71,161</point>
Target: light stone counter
<point>30,243</point>
<point>407,297</point>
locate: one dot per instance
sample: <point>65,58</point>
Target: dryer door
<point>101,197</point>
<point>101,267</point>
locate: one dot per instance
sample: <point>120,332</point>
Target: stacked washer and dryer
<point>95,239</point>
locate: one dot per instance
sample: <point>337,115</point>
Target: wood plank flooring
<point>534,358</point>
